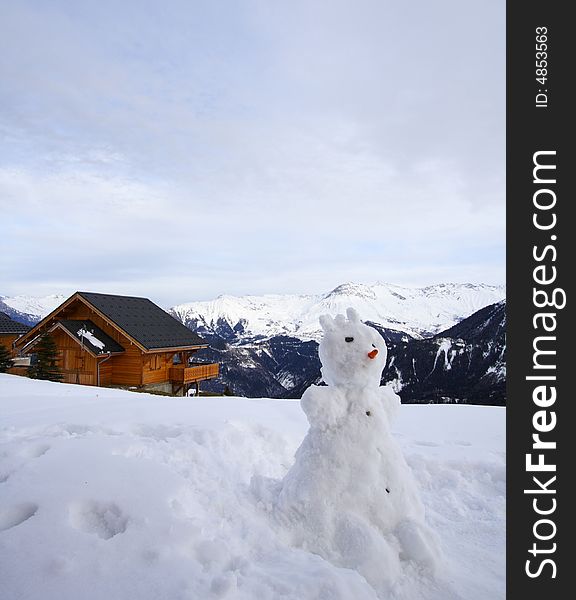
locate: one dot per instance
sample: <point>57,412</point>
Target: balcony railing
<point>182,374</point>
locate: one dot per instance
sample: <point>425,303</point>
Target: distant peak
<point>358,290</point>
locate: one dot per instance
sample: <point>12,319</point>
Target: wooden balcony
<point>182,374</point>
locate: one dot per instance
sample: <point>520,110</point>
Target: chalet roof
<point>91,336</point>
<point>8,325</point>
<point>144,321</point>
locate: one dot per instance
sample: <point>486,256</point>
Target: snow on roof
<point>84,334</point>
<point>91,336</point>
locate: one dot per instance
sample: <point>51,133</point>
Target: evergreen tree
<point>45,366</point>
<point>5,359</point>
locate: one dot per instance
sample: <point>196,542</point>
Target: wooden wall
<point>106,371</point>
<point>6,340</point>
<point>156,367</point>
<point>76,364</point>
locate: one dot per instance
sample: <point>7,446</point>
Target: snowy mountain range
<point>465,363</point>
<point>418,312</point>
<point>30,309</point>
<point>446,342</point>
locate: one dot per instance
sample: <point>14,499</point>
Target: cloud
<point>181,151</point>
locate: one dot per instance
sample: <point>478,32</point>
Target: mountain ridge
<point>418,312</point>
<point>463,364</point>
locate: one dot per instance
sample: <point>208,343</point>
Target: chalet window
<point>155,362</point>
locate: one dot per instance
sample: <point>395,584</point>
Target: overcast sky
<point>184,149</point>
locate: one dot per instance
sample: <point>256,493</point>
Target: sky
<point>185,149</point>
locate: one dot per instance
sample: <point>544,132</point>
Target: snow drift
<point>112,494</point>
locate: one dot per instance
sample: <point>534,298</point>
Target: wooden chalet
<point>122,341</point>
<point>10,331</point>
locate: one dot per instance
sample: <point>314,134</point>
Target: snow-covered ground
<point>112,495</point>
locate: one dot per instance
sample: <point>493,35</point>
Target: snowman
<point>350,495</point>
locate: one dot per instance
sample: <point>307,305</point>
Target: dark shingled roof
<point>91,336</point>
<point>144,321</point>
<point>8,325</point>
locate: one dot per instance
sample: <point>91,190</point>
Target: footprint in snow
<point>12,516</point>
<point>35,451</point>
<point>104,519</point>
<point>159,433</point>
<point>76,430</point>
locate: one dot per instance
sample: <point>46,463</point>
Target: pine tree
<point>45,366</point>
<point>5,359</point>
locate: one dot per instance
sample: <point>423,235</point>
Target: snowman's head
<point>351,352</point>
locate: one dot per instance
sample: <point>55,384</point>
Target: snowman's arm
<point>390,401</point>
<point>324,406</point>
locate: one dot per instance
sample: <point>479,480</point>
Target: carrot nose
<point>373,353</point>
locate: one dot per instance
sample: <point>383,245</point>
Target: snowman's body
<point>350,494</point>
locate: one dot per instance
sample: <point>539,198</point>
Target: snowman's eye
<point>368,413</point>
<point>349,339</point>
<point>373,346</point>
